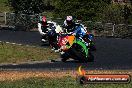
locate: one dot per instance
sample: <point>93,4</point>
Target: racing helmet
<point>69,20</point>
<point>44,19</point>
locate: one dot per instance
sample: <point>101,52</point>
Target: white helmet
<point>69,18</point>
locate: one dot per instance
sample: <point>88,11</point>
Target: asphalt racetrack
<point>111,53</point>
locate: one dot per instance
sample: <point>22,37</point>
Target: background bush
<point>87,10</point>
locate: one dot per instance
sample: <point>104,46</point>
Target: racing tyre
<point>79,53</point>
<point>90,58</point>
<point>64,57</point>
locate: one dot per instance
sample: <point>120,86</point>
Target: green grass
<point>16,54</point>
<point>3,6</point>
<point>65,82</point>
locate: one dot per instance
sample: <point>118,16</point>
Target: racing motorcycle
<point>47,32</point>
<point>50,35</point>
<point>74,48</point>
<point>89,38</point>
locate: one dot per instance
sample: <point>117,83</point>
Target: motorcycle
<point>52,38</point>
<point>50,35</point>
<point>74,48</point>
<point>89,38</point>
<point>44,30</point>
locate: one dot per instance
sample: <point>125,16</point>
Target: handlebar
<point>62,33</point>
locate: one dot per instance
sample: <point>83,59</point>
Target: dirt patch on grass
<point>17,75</point>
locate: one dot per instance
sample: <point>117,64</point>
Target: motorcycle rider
<point>52,35</point>
<point>42,28</point>
<point>47,30</point>
<point>75,28</point>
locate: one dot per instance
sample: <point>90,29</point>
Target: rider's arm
<point>79,30</point>
<point>39,29</point>
<point>59,29</point>
<point>64,24</point>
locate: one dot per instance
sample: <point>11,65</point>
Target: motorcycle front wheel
<point>78,53</point>
<point>64,57</point>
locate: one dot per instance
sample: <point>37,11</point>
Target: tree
<point>30,6</point>
<point>113,14</point>
<point>85,9</point>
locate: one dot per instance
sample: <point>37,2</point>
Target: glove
<point>48,29</point>
<point>74,34</point>
<point>42,33</point>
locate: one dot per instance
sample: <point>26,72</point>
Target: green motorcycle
<point>74,48</point>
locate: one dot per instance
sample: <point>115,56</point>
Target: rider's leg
<point>43,38</point>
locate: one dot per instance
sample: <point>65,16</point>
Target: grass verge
<point>17,54</point>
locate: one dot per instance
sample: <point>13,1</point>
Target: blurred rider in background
<point>49,30</point>
<point>42,28</point>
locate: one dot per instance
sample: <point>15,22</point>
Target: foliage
<point>118,14</point>
<point>94,10</point>
<point>3,6</point>
<point>127,14</point>
<point>29,6</point>
<point>113,13</point>
<point>82,9</point>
